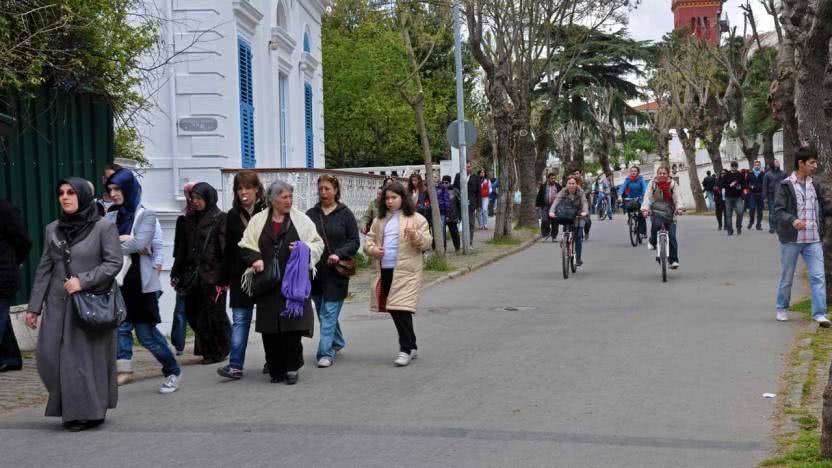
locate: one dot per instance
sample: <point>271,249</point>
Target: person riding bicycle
<point>662,202</point>
<point>584,185</point>
<point>633,188</point>
<point>603,191</point>
<point>569,205</point>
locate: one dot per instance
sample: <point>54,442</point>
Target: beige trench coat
<point>407,277</point>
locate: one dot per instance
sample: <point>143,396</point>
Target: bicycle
<point>603,206</point>
<point>567,249</point>
<point>631,205</point>
<point>663,242</point>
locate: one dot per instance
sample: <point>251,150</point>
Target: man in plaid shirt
<point>799,210</point>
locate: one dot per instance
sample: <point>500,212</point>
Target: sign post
<point>460,122</point>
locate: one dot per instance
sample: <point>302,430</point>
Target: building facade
<point>700,17</point>
<point>244,90</point>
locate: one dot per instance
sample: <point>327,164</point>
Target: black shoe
<point>210,360</point>
<point>291,378</point>
<point>579,262</point>
<point>278,379</point>
<point>730,233</point>
<point>739,231</point>
<point>266,368</point>
<point>771,231</point>
<point>9,367</point>
<point>759,228</point>
<point>230,373</point>
<point>78,426</point>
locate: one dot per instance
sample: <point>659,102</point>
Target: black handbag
<point>98,311</point>
<point>565,211</point>
<point>269,280</point>
<point>188,282</point>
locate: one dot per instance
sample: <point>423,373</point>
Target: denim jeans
<point>483,212</point>
<point>9,351</point>
<point>331,336</point>
<point>603,196</point>
<point>150,337</point>
<point>240,327</point>
<point>177,329</point>
<point>125,341</point>
<point>813,256</point>
<point>709,200</point>
<point>755,210</point>
<point>733,205</point>
<point>771,224</point>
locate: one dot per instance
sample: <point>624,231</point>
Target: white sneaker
<point>402,359</point>
<point>782,316</point>
<point>650,246</point>
<point>170,384</point>
<point>324,362</point>
<point>674,265</point>
<point>822,321</point>
<point>414,354</point>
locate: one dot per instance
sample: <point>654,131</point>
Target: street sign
<point>453,133</point>
<point>198,124</point>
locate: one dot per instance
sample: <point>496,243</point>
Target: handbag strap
<point>63,244</point>
<point>323,234</point>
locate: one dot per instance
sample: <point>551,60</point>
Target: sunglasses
<point>69,192</point>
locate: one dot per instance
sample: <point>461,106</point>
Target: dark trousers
<point>208,320</point>
<point>719,211</point>
<point>472,217</point>
<point>548,226</point>
<point>673,255</point>
<point>284,352</point>
<point>9,351</point>
<point>733,205</point>
<point>454,228</point>
<point>755,209</point>
<point>402,319</point>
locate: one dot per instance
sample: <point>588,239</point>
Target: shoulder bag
<point>345,267</point>
<point>98,311</point>
<point>270,279</point>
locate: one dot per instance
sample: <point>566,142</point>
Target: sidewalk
<point>23,389</point>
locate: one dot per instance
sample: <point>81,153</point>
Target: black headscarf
<point>76,226</point>
<point>207,193</point>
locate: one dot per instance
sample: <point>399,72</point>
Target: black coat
<point>756,182</point>
<point>738,181</point>
<point>339,231</point>
<point>540,202</point>
<point>474,183</point>
<point>235,266</point>
<point>708,183</point>
<point>14,247</point>
<point>193,247</point>
<point>270,306</point>
<point>785,210</point>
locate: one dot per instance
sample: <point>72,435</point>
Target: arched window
<point>281,15</point>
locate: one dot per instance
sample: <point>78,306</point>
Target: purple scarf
<point>296,285</point>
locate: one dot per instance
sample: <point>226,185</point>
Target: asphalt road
<point>608,368</point>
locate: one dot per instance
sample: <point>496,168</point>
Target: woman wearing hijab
<point>270,245</point>
<point>78,368</point>
<point>179,325</point>
<point>140,287</point>
<point>249,199</point>
<point>199,273</point>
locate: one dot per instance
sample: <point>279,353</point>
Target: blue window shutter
<point>246,105</point>
<point>306,46</point>
<point>310,141</point>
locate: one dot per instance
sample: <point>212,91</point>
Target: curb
<point>482,264</point>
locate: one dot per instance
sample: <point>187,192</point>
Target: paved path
<point>608,368</point>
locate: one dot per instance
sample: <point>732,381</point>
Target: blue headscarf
<point>131,190</point>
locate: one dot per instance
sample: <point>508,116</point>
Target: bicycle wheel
<point>572,264</point>
<point>564,254</point>
<point>663,256</point>
<point>633,225</point>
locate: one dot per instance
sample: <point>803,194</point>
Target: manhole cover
<point>517,308</point>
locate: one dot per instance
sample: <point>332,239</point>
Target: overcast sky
<point>653,18</point>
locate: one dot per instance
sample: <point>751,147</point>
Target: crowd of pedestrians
<point>266,257</point>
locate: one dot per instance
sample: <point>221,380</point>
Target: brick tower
<point>700,17</point>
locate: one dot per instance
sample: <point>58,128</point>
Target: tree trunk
<point>527,161</point>
<point>768,148</point>
<point>604,152</point>
<point>504,205</point>
<point>689,145</point>
<point>781,95</point>
<point>713,152</point>
<point>750,152</point>
<point>578,160</point>
<point>662,147</point>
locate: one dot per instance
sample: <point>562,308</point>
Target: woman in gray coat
<point>78,368</point>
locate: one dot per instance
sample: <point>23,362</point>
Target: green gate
<point>55,134</point>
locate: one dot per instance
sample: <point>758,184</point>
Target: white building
<point>244,90</point>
